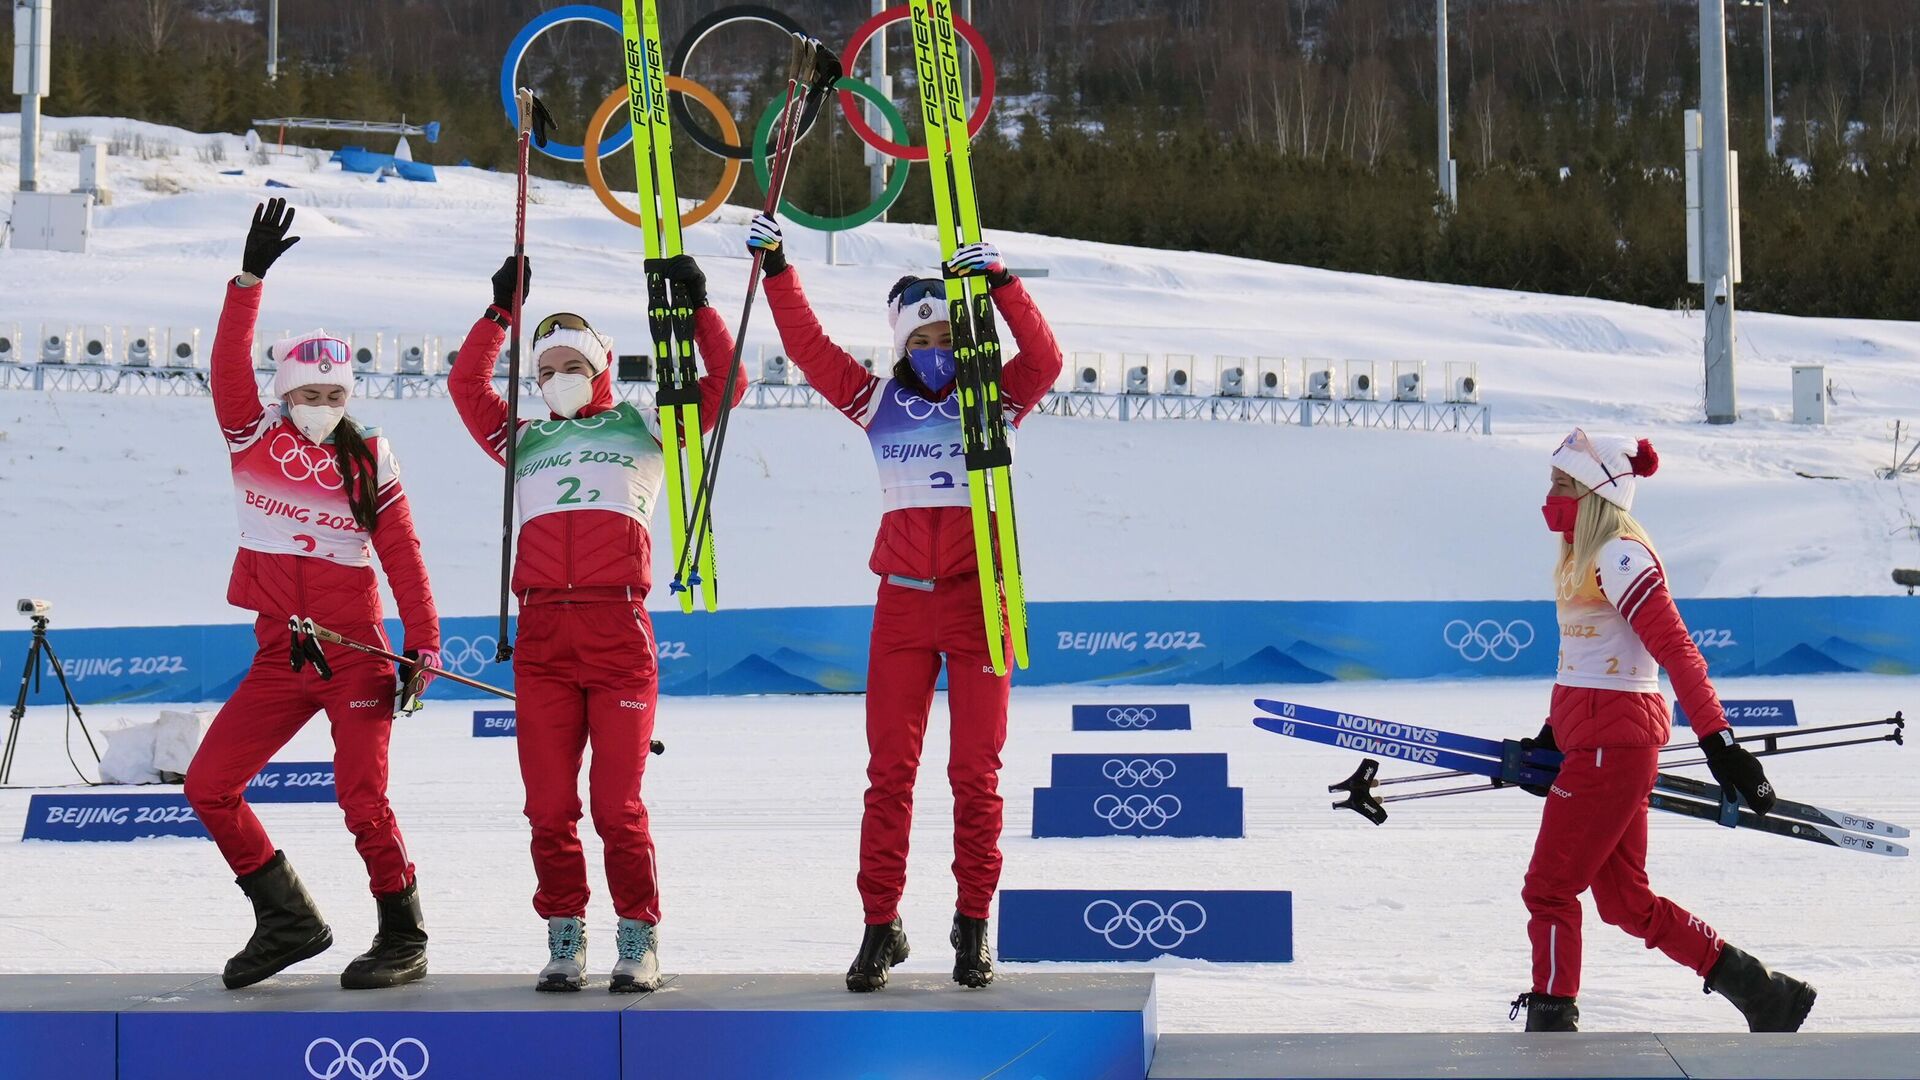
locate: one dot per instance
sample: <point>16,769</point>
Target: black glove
<point>267,239</point>
<point>1734,768</point>
<point>689,280</point>
<point>1542,741</point>
<point>503,282</point>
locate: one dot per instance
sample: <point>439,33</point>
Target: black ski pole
<point>821,70</point>
<point>534,122</point>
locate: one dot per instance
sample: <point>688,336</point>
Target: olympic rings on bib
<point>301,461</point>
<point>729,145</point>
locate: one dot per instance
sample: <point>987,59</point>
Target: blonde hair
<point>1599,523</point>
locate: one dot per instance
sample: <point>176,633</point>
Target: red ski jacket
<point>925,542</point>
<point>585,549</point>
<point>301,552</point>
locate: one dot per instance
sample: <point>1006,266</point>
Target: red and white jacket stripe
<point>301,552</point>
<point>925,542</point>
<point>584,549</point>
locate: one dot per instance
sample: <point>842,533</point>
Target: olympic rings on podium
<point>729,173</point>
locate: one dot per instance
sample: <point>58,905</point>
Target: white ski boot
<point>566,942</point>
<point>638,968</point>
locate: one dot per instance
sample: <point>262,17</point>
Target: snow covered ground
<point>116,507</point>
<point>1412,926</point>
<point>1109,511</point>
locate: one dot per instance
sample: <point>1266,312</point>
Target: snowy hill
<point>118,507</point>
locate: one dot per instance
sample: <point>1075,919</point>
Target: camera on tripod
<point>40,657</point>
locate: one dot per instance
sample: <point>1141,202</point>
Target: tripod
<point>30,677</point>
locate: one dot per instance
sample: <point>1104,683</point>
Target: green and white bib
<point>608,461</point>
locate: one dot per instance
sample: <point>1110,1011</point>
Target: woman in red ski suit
<point>929,598</point>
<point>317,496</point>
<point>584,660</point>
<point>1618,628</point>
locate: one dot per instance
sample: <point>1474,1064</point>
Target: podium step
<point>174,1027</point>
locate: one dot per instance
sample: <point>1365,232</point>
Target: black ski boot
<point>1547,1012</point>
<point>1769,1000</point>
<point>286,927</point>
<point>399,950</point>
<point>972,967</point>
<point>884,945</point>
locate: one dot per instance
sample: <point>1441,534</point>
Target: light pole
<point>1716,208</point>
<point>273,40</point>
<point>1443,164</point>
<point>32,79</point>
<point>1766,59</point>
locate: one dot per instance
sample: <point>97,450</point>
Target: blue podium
<point>1138,795</point>
<point>711,1027</point>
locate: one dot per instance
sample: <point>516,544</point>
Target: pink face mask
<point>1562,513</point>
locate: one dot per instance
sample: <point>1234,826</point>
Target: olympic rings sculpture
<point>728,145</point>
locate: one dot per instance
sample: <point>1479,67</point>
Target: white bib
<point>608,461</point>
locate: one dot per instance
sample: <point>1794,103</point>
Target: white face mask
<point>316,422</point>
<point>567,393</point>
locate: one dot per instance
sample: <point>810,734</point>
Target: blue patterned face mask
<point>934,366</point>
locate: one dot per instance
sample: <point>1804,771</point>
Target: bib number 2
<point>570,492</point>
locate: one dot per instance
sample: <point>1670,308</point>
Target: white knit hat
<point>295,367</point>
<point>1609,464</point>
<point>905,319</point>
<point>592,344</point>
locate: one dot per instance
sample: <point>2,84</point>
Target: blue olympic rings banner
<point>1091,925</point>
<point>824,649</point>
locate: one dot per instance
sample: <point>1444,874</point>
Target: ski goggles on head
<point>921,290</point>
<point>316,351</point>
<point>1580,443</point>
<point>558,321</point>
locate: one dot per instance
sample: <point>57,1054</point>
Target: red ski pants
<point>272,703</point>
<point>1593,835</point>
<point>587,672</point>
<point>912,630</point>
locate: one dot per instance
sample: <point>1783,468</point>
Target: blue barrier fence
<point>1147,643</point>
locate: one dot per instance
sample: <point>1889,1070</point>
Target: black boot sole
<point>973,979</point>
<point>381,980</point>
<point>315,945</point>
<point>559,984</point>
<point>861,982</point>
<point>627,984</point>
<point>1797,1015</point>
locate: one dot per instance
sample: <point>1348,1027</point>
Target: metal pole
<point>273,40</point>
<point>32,82</point>
<point>877,162</point>
<point>1773,140</point>
<point>1716,208</point>
<point>1443,166</point>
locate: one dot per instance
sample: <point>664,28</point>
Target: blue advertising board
<point>97,815</point>
<point>1132,718</point>
<point>1751,712</point>
<point>293,781</point>
<point>1095,925</point>
<point>1140,772</point>
<point>1119,643</point>
<point>1102,811</point>
<point>494,724</point>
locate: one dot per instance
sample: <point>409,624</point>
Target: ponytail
<point>360,472</point>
